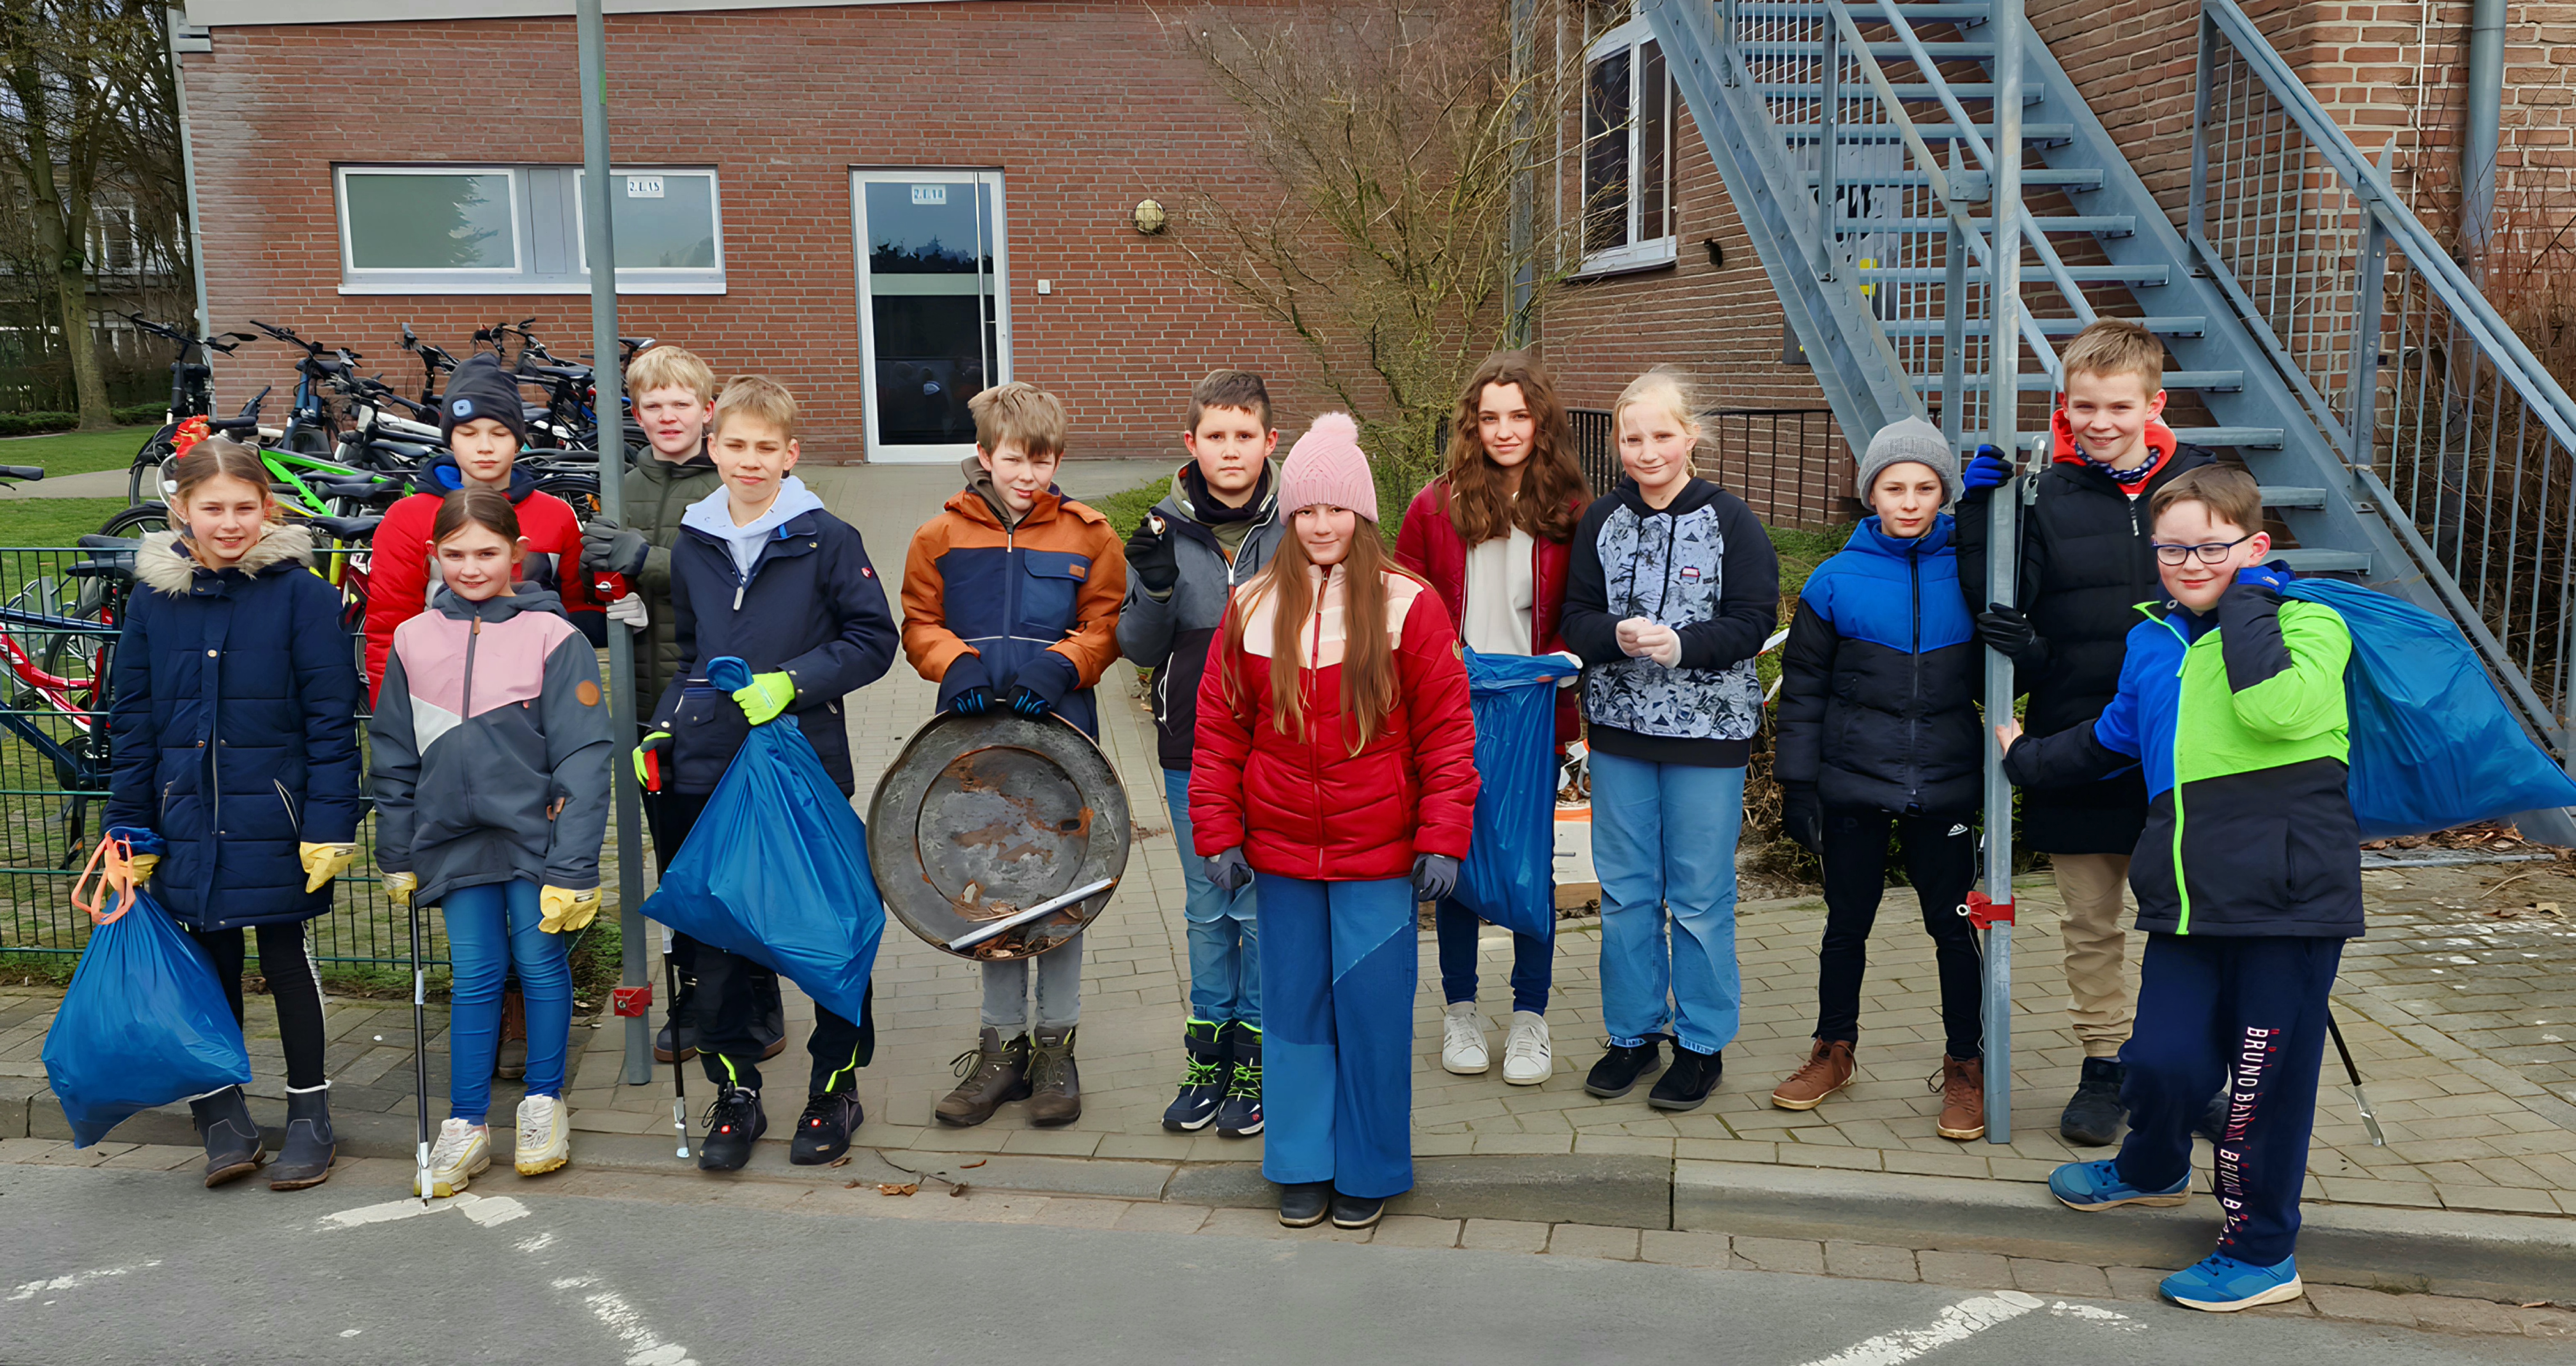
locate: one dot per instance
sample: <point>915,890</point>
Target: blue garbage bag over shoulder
<point>2433,743</point>
<point>1509,877</point>
<point>776,870</point>
<point>145,1023</point>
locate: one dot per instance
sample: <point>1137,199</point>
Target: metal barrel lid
<point>984,821</point>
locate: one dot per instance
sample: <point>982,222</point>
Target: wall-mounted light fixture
<point>1149,217</point>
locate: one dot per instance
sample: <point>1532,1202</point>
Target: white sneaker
<point>1527,1059</point>
<point>462,1150</point>
<point>545,1135</point>
<point>1462,1040</point>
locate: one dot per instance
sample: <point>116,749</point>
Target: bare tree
<point>73,76</point>
<point>1409,141</point>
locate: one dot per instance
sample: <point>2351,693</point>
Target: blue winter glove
<point>1435,876</point>
<point>1042,683</point>
<point>1229,872</point>
<point>1987,470</point>
<point>969,688</point>
<point>2271,577</point>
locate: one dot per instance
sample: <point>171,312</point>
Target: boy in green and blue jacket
<point>2248,879</point>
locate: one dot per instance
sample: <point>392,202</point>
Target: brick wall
<point>1086,107</point>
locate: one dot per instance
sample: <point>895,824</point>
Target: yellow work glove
<point>566,909</point>
<point>323,862</point>
<point>141,865</point>
<point>400,886</point>
<point>766,697</point>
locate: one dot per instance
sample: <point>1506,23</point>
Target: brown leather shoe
<point>991,1074</point>
<point>1829,1068</point>
<point>1963,1098</point>
<point>1055,1084</point>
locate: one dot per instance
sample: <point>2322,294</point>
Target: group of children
<point>1312,720</point>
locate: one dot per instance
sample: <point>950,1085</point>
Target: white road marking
<point>483,1211</point>
<point>644,1346</point>
<point>1957,1323</point>
<point>351,1332</point>
<point>31,1289</point>
<point>2092,1313</point>
<point>539,1243</point>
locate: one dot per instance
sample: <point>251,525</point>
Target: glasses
<point>2215,552</point>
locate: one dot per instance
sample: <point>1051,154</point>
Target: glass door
<point>934,306</point>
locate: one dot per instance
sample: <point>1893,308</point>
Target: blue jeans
<point>1663,843</point>
<point>490,928</point>
<point>1225,939</point>
<point>1533,959</point>
<point>1338,962</point>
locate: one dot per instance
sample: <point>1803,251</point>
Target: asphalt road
<point>144,1267</point>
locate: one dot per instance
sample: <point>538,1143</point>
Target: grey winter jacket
<point>1702,565</point>
<point>657,492</point>
<point>491,746</point>
<point>1171,634</point>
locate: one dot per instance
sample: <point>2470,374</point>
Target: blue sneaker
<point>2222,1285</point>
<point>2097,1186</point>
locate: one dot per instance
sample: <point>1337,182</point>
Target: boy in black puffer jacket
<point>2086,563</point>
<point>1878,724</point>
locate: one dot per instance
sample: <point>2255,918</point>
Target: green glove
<point>766,697</point>
<point>648,760</point>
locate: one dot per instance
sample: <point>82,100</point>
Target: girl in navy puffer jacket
<point>235,771</point>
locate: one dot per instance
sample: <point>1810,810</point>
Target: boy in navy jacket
<point>762,573</point>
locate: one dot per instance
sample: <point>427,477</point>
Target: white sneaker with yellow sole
<point>545,1135</point>
<point>463,1151</point>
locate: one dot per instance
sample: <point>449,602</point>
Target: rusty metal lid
<point>998,837</point>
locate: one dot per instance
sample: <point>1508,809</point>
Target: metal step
<point>2032,134</point>
<point>2260,438</point>
<point>2076,178</point>
<point>2292,496</point>
<point>2145,273</point>
<point>2182,325</point>
<point>2305,561</point>
<point>1942,13</point>
<point>2038,382</point>
<point>1967,90</point>
<point>1938,49</point>
<point>2105,224</point>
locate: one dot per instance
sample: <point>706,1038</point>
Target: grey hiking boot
<point>990,1074</point>
<point>1055,1083</point>
<point>232,1137</point>
<point>304,1159</point>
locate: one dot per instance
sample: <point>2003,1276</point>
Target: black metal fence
<point>1789,464</point>
<point>58,615</point>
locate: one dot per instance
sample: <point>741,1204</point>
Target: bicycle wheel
<point>143,477</point>
<point>138,520</point>
<point>579,490</point>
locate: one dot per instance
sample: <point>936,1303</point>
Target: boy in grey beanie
<point>1910,439</point>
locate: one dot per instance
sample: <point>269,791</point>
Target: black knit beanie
<point>481,388</point>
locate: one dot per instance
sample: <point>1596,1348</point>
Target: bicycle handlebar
<point>30,473</point>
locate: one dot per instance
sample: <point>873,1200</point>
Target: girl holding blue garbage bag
<point>1335,765</point>
<point>1494,537</point>
<point>235,777</point>
<point>491,743</point>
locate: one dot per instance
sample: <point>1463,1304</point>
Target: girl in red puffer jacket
<point>1336,763</point>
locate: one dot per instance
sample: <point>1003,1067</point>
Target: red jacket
<point>1429,545</point>
<point>398,577</point>
<point>1309,808</point>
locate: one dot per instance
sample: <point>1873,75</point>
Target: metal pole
<point>180,41</point>
<point>2482,117</point>
<point>609,388</point>
<point>2001,557</point>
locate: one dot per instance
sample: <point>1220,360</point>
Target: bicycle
<point>191,395</point>
<point>57,646</point>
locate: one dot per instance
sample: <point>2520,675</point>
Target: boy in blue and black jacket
<point>762,573</point>
<point>2248,879</point>
<point>1878,727</point>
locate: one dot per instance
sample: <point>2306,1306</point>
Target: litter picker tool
<point>2361,1102</point>
<point>679,1065</point>
<point>419,1054</point>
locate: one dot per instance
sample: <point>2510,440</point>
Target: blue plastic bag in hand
<point>1509,877</point>
<point>144,1024</point>
<point>776,868</point>
<point>2433,744</point>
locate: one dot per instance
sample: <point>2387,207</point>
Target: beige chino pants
<point>2097,945</point>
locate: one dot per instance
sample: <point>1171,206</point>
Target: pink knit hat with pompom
<point>1328,466</point>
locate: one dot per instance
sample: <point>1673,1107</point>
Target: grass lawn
<point>1126,510</point>
<point>76,452</point>
<point>52,521</point>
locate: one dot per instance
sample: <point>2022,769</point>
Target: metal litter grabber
<point>679,1064</point>
<point>2361,1102</point>
<point>419,1052</point>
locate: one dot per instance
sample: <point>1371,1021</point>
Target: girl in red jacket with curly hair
<point>1335,765</point>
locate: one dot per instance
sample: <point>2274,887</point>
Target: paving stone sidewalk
<point>2458,1019</point>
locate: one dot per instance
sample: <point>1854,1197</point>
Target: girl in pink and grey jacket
<point>491,745</point>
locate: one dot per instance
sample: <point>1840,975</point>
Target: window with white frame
<point>518,230</point>
<point>1627,154</point>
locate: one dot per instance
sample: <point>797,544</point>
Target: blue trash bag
<point>2433,744</point>
<point>144,1024</point>
<point>776,868</point>
<point>1509,878</point>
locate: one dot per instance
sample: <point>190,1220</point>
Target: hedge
<point>36,424</point>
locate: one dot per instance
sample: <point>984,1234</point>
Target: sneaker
<point>463,1150</point>
<point>1622,1067</point>
<point>1962,1084</point>
<point>1829,1068</point>
<point>1305,1204</point>
<point>544,1139</point>
<point>1204,1072</point>
<point>2094,1118</point>
<point>2093,1186</point>
<point>1357,1211</point>
<point>1688,1081</point>
<point>1462,1040</point>
<point>2223,1285</point>
<point>1527,1057</point>
<point>1240,1115</point>
<point>823,1131</point>
<point>734,1123</point>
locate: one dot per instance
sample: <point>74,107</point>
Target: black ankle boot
<point>304,1159</point>
<point>232,1138</point>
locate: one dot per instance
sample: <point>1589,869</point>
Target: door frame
<point>986,178</point>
